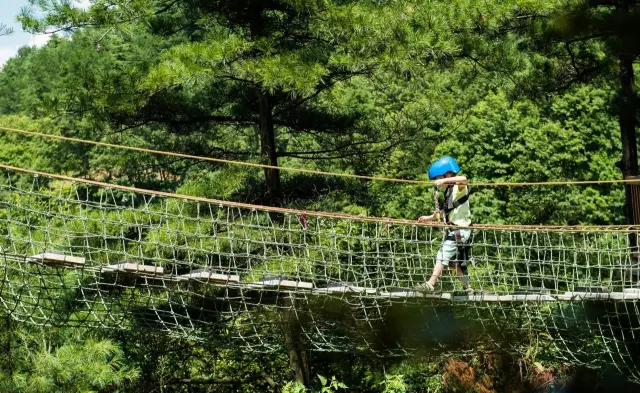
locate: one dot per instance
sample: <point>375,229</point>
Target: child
<point>456,211</point>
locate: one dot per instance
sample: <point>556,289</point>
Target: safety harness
<point>450,205</point>
<point>462,247</point>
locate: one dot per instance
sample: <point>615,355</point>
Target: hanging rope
<point>311,171</point>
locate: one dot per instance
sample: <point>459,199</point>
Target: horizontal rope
<point>530,228</point>
<point>311,171</point>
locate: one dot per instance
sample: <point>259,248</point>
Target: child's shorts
<point>449,249</point>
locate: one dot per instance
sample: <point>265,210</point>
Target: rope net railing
<point>77,254</point>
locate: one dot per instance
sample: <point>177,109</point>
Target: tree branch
<point>167,7</point>
<point>270,381</point>
<point>71,26</point>
<point>304,155</point>
<point>572,57</point>
<point>578,78</point>
<point>5,30</point>
<point>332,79</point>
<point>346,155</point>
<point>201,119</point>
<point>489,69</point>
<point>340,148</point>
<point>227,381</point>
<point>213,381</point>
<point>612,3</point>
<point>588,37</point>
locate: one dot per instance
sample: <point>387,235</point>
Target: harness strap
<point>450,206</point>
<point>463,249</point>
<point>458,202</point>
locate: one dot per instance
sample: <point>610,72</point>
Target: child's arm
<point>431,217</point>
<point>461,181</point>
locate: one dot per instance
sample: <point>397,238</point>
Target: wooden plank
<point>52,258</point>
<point>399,293</point>
<point>281,284</point>
<point>592,289</point>
<point>345,288</point>
<point>533,297</point>
<point>572,296</point>
<point>211,277</point>
<point>437,296</point>
<point>134,268</point>
<point>482,298</point>
<point>510,298</point>
<point>476,297</point>
<point>625,295</point>
<point>529,297</point>
<point>532,290</point>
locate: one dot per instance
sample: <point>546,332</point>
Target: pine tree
<point>265,65</point>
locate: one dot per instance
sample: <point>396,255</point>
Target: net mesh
<point>75,254</point>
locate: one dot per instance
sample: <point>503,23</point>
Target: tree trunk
<point>299,363</point>
<point>268,150</point>
<point>298,357</point>
<point>627,119</point>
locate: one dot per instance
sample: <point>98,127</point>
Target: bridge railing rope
<point>102,144</point>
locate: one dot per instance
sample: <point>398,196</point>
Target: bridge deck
<point>288,285</point>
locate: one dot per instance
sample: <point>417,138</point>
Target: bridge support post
<point>632,211</point>
<point>298,356</point>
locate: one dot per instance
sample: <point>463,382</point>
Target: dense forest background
<point>515,90</point>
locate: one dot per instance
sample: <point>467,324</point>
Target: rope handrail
<point>312,171</point>
<point>272,209</point>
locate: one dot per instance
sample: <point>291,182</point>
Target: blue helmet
<point>442,166</point>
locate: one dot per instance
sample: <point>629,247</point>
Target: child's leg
<point>445,254</point>
<point>462,256</point>
<point>464,275</point>
<point>436,273</point>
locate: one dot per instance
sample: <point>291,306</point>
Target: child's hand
<point>425,218</point>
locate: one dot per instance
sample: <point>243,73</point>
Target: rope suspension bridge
<point>81,253</point>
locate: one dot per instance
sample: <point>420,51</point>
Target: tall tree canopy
<point>269,66</point>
